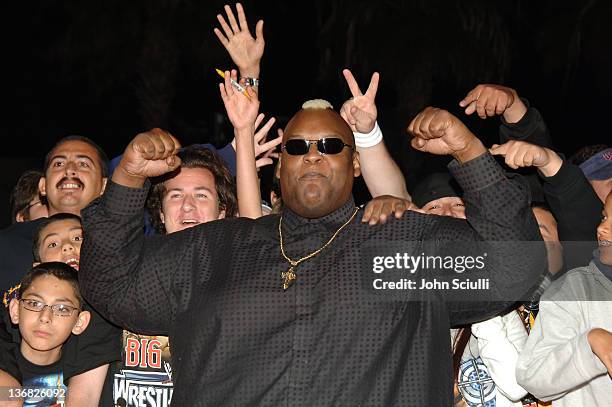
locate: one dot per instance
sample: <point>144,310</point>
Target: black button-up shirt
<point>237,338</point>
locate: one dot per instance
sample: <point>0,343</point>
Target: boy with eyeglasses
<point>48,311</point>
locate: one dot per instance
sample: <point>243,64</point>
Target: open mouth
<point>605,243</point>
<point>189,222</point>
<point>73,262</point>
<point>70,184</point>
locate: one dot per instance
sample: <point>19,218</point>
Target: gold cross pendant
<point>288,278</point>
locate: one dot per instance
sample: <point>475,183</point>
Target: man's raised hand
<point>150,154</point>
<point>241,109</point>
<point>245,51</point>
<point>491,100</point>
<point>360,111</point>
<point>518,154</point>
<point>438,132</point>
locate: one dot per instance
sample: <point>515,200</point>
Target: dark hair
<point>22,194</point>
<point>57,269</point>
<point>196,157</point>
<point>586,152</point>
<point>101,154</point>
<point>43,224</point>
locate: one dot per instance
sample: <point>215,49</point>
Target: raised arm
<point>497,216</point>
<point>242,113</point>
<point>245,51</point>
<point>380,172</point>
<point>569,195</point>
<point>129,278</point>
<point>519,120</point>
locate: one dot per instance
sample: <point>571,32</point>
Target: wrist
<point>243,133</point>
<point>474,148</point>
<point>551,168</point>
<point>370,139</point>
<point>249,72</point>
<point>124,177</point>
<point>516,111</point>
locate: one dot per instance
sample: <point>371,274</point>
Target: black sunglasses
<point>327,145</point>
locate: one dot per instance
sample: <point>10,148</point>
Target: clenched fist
<point>489,100</point>
<point>518,154</point>
<point>150,154</point>
<point>438,132</point>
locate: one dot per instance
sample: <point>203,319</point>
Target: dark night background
<point>110,69</point>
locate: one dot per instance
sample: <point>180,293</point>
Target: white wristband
<point>369,139</point>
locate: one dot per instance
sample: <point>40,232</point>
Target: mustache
<point>71,180</point>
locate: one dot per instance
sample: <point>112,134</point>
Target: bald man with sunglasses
<point>278,304</point>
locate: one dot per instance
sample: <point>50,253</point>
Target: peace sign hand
<point>360,111</point>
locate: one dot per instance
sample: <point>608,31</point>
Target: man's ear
<point>356,164</point>
<point>81,323</point>
<point>42,186</point>
<point>221,214</point>
<point>36,263</point>
<point>14,311</point>
<point>161,217</point>
<point>104,181</point>
<point>278,166</point>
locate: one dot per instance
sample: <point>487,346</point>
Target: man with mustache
<point>75,173</point>
<point>278,304</point>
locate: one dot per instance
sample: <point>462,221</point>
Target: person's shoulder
<point>579,284</point>
<point>21,229</point>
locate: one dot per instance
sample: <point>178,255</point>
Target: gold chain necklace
<point>288,276</point>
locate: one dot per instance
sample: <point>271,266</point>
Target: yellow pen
<point>235,84</point>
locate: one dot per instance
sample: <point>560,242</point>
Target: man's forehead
<point>191,178</point>
<point>75,147</point>
<point>308,123</point>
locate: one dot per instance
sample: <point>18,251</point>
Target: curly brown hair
<point>196,157</point>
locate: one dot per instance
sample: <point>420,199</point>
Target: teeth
<point>69,186</point>
<point>72,260</point>
<point>605,243</point>
<point>189,222</point>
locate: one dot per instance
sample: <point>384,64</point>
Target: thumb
<point>497,149</point>
<point>358,113</point>
<point>418,143</point>
<point>173,162</point>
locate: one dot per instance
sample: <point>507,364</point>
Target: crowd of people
<point>170,281</point>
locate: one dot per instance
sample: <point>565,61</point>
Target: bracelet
<point>369,139</point>
<point>254,82</point>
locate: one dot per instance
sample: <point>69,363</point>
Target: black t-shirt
<point>98,345</point>
<point>43,385</point>
<point>144,375</point>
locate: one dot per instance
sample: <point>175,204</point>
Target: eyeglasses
<point>327,145</point>
<point>59,310</point>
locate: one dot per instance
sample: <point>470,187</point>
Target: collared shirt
<point>237,338</point>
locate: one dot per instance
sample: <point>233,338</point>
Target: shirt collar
<point>293,222</point>
<point>605,269</point>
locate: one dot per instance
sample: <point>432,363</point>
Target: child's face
<point>61,241</point>
<point>43,333</point>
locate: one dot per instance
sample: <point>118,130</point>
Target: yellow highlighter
<point>235,84</point>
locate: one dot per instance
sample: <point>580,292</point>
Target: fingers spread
<point>373,88</point>
<point>242,18</point>
<point>231,18</point>
<point>352,83</point>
